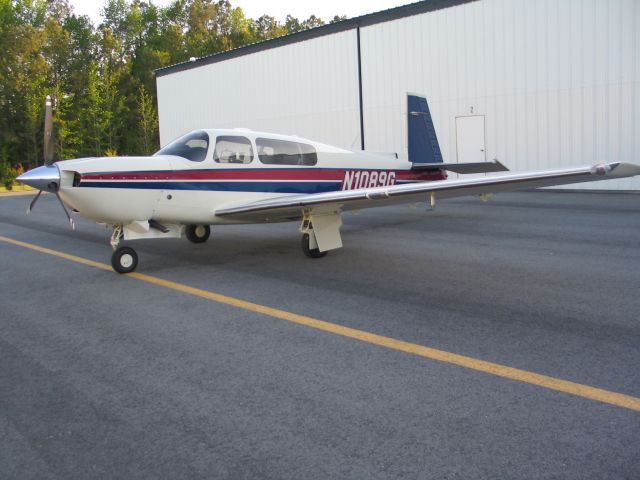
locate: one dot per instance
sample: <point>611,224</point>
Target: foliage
<point>148,123</point>
<point>9,174</point>
<point>101,77</point>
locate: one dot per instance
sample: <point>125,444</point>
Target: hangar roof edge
<point>331,28</point>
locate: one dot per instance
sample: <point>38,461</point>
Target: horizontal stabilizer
<point>472,167</point>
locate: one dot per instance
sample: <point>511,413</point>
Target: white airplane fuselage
<point>176,190</point>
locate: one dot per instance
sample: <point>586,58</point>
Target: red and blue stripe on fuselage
<point>271,180</point>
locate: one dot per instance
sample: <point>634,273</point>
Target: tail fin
<point>423,142</point>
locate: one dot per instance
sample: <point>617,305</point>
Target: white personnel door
<point>470,140</point>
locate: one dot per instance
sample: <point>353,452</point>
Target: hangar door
<point>470,139</point>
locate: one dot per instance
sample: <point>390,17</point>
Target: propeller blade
<point>73,225</point>
<point>33,202</point>
<point>48,131</point>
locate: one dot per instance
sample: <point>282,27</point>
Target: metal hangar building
<point>537,85</point>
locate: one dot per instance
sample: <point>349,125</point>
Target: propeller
<point>47,177</point>
<point>48,131</point>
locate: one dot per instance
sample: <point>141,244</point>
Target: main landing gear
<point>320,233</point>
<point>310,252</point>
<point>197,233</point>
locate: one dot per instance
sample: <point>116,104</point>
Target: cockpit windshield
<point>192,146</point>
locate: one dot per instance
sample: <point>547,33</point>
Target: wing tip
<point>616,169</point>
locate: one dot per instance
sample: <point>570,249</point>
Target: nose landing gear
<point>124,260</point>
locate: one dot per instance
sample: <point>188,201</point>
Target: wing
<point>293,206</point>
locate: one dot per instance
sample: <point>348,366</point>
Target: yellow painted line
<point>14,193</point>
<point>55,253</point>
<point>545,381</point>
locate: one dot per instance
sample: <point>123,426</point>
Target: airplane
<point>232,176</point>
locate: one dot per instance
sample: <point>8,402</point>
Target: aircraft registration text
<point>367,179</point>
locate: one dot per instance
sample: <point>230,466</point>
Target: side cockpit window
<point>192,146</point>
<point>233,149</point>
<point>282,152</point>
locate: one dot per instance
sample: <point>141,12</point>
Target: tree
<point>148,122</point>
<point>101,77</point>
<point>266,27</point>
<point>23,75</point>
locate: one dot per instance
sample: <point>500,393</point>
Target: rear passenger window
<point>232,149</point>
<point>283,152</point>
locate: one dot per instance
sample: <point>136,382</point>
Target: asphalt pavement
<point>110,376</point>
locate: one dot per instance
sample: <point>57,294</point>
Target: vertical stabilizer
<point>422,139</point>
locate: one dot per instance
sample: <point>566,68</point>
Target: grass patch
<point>17,187</point>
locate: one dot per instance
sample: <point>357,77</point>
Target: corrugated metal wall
<point>557,81</point>
<point>306,89</point>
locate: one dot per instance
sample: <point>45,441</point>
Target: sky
<point>301,9</point>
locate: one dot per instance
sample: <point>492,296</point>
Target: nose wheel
<point>124,260</point>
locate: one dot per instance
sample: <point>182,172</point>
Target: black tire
<point>124,260</point>
<point>310,252</point>
<point>198,233</point>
